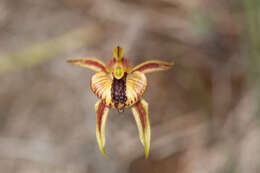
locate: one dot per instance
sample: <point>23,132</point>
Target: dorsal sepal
<point>118,53</point>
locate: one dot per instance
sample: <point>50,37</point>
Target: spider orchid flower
<point>119,86</point>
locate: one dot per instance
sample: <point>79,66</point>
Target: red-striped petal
<point>91,63</point>
<point>153,65</point>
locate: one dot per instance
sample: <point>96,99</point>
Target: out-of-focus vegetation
<point>252,38</point>
<point>43,51</point>
<point>204,112</point>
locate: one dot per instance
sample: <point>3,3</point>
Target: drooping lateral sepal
<point>153,65</point>
<point>91,63</point>
<point>101,117</point>
<point>140,111</point>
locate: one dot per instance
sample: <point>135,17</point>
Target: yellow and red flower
<point>118,85</point>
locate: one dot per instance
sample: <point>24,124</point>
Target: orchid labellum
<point>119,86</point>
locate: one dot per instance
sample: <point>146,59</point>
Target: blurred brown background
<point>204,112</point>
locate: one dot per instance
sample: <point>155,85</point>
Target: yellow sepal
<point>118,53</point>
<point>140,111</point>
<point>101,117</point>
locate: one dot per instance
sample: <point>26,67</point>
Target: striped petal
<point>136,84</point>
<point>91,63</point>
<point>101,117</point>
<point>101,84</point>
<point>153,65</point>
<point>140,111</point>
